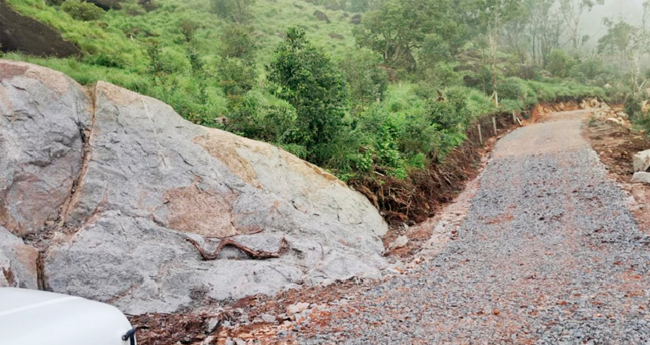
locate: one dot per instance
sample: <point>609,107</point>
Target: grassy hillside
<point>118,39</point>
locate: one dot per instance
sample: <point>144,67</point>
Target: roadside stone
<point>641,177</point>
<point>642,161</point>
<point>400,242</point>
<point>267,318</point>
<point>297,308</point>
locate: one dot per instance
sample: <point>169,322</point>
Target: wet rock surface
<point>548,254</point>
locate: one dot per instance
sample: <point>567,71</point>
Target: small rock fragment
<point>642,161</point>
<point>641,177</point>
<point>400,242</point>
<point>268,318</point>
<point>297,308</point>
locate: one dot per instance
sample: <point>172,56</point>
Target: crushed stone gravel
<point>548,254</point>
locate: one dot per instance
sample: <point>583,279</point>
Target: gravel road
<point>548,254</point>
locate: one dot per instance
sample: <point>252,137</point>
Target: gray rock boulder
<point>642,161</point>
<point>140,181</point>
<point>29,36</point>
<point>43,118</point>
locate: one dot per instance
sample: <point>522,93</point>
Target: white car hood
<point>29,317</point>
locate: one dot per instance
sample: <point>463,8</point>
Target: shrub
<point>559,63</point>
<point>517,89</point>
<point>237,77</point>
<point>305,77</point>
<point>188,27</point>
<point>81,10</point>
<point>237,41</point>
<point>366,80</point>
<point>263,117</point>
<point>236,10</point>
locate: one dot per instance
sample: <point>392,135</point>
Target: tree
<point>305,77</point>
<point>188,27</point>
<point>366,79</point>
<point>237,68</point>
<point>235,10</point>
<point>434,50</point>
<point>514,33</point>
<point>618,40</point>
<point>545,29</point>
<point>572,11</point>
<point>492,15</point>
<point>398,27</point>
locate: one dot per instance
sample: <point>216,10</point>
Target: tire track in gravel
<point>548,254</point>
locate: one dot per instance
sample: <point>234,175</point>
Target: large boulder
<point>146,192</point>
<point>642,161</point>
<point>29,36</point>
<point>44,117</point>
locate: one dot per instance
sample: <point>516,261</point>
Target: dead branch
<point>254,254</point>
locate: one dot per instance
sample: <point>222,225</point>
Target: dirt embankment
<point>22,34</point>
<point>616,142</point>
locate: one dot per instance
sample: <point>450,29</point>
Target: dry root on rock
<point>255,254</point>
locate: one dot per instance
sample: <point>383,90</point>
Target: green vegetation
<point>365,88</point>
<point>81,10</point>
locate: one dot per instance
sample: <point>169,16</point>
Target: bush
<point>237,77</point>
<point>366,80</point>
<point>166,61</point>
<point>188,27</point>
<point>237,41</point>
<point>559,63</point>
<point>235,10</point>
<point>517,89</point>
<point>263,117</point>
<point>305,77</point>
<point>81,10</point>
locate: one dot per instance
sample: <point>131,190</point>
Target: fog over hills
<point>592,22</point>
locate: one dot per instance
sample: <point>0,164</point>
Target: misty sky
<point>629,9</point>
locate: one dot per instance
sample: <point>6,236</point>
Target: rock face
<point>112,184</point>
<point>321,16</point>
<point>642,161</point>
<point>26,35</point>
